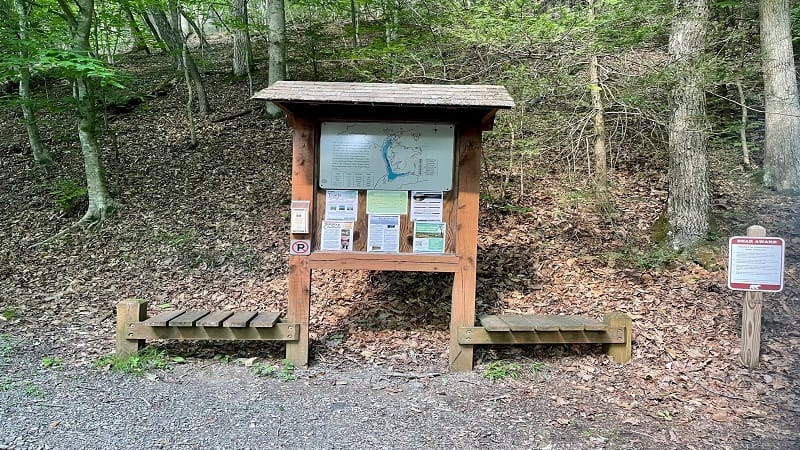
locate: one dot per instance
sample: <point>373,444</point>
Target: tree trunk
<point>277,49</point>
<point>138,39</point>
<point>100,202</point>
<point>687,203</point>
<point>241,39</point>
<point>743,126</point>
<point>596,90</point>
<point>354,22</point>
<point>782,118</point>
<point>40,153</point>
<point>173,38</point>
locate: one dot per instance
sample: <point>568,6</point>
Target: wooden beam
<point>303,186</point>
<point>480,336</point>
<point>621,352</point>
<point>751,317</point>
<point>128,312</point>
<point>280,332</point>
<point>379,261</point>
<point>462,312</point>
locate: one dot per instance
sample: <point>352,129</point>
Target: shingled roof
<point>388,94</point>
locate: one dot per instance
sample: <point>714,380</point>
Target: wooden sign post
<point>755,265</point>
<point>362,152</point>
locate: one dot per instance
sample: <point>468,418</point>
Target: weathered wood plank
<point>129,311</point>
<point>517,322</point>
<point>566,322</point>
<point>289,332</point>
<point>493,96</point>
<point>480,336</point>
<point>620,351</point>
<point>494,324</point>
<point>462,310</point>
<point>590,324</point>
<point>239,319</point>
<point>162,320</point>
<point>383,261</point>
<point>265,319</point>
<point>214,319</point>
<point>187,319</point>
<point>543,323</point>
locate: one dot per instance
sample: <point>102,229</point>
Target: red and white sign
<point>300,247</point>
<point>755,263</point>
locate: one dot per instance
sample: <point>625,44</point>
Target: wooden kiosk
<point>384,177</point>
<point>407,123</point>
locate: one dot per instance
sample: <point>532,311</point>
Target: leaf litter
<point>207,228</point>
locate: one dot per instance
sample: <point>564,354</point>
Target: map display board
<point>387,156</point>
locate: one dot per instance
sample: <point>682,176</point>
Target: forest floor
<point>206,227</point>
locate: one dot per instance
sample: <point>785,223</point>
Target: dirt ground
<point>207,227</point>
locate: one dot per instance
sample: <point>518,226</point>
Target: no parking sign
<point>300,247</point>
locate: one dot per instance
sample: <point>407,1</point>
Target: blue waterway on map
<point>391,175</point>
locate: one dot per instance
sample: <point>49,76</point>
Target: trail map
<point>387,156</point>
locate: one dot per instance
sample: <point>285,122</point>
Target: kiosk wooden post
<point>467,110</point>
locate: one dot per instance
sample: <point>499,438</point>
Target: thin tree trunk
<point>743,127</point>
<point>138,39</point>
<point>201,37</point>
<point>40,153</point>
<point>241,39</point>
<point>189,115</point>
<point>354,22</point>
<point>687,202</point>
<point>100,202</point>
<point>277,49</point>
<point>782,118</point>
<point>173,37</point>
<point>595,90</point>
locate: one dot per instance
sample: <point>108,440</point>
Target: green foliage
<point>70,196</point>
<point>656,258</point>
<point>70,64</point>
<point>137,364</point>
<point>8,314</point>
<point>287,371</point>
<point>264,369</point>
<point>31,390</point>
<point>501,370</point>
<point>51,362</point>
<point>284,372</point>
<point>6,384</point>
<point>7,345</point>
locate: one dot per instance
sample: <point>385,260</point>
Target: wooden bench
<point>134,327</point>
<point>614,331</point>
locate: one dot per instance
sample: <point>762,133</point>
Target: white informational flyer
<point>341,206</point>
<point>426,206</point>
<point>337,236</point>
<point>383,234</point>
<point>429,237</point>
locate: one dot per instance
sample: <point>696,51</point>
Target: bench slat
<point>590,324</point>
<point>494,323</point>
<point>239,319</point>
<point>516,322</point>
<point>187,319</point>
<point>566,323</point>
<point>265,319</point>
<point>214,319</point>
<point>163,319</point>
<point>542,323</point>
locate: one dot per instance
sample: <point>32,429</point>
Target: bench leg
<point>129,311</point>
<point>620,352</point>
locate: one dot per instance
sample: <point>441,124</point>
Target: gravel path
<point>227,406</point>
